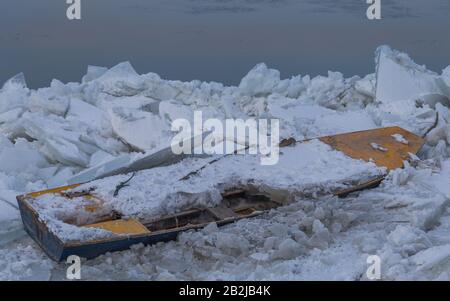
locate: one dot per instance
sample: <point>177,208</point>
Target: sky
<point>215,40</point>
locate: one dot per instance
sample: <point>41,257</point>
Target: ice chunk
<point>342,122</point>
<point>14,94</point>
<point>60,178</point>
<point>271,243</point>
<point>93,72</point>
<point>400,79</point>
<point>127,163</point>
<point>376,146</point>
<point>141,130</point>
<point>63,151</point>
<point>321,236</point>
<point>60,142</point>
<point>211,228</point>
<point>101,169</point>
<point>11,115</point>
<point>259,81</point>
<point>120,80</point>
<point>92,116</point>
<point>279,230</point>
<point>440,180</point>
<point>54,99</point>
<point>162,90</point>
<point>11,227</point>
<point>20,157</point>
<point>8,211</point>
<point>367,85</point>
<point>409,240</point>
<point>328,90</point>
<point>228,243</point>
<point>436,257</point>
<point>259,256</point>
<point>56,105</point>
<point>446,75</point>
<point>297,85</point>
<point>17,81</point>
<point>130,102</point>
<point>288,249</point>
<point>100,157</point>
<point>426,213</point>
<point>5,142</point>
<point>400,138</point>
<point>170,111</point>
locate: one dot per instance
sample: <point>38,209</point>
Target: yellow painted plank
<point>48,191</point>
<point>121,226</point>
<point>358,145</point>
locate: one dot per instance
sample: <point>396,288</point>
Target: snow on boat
<point>155,205</point>
<point>131,231</point>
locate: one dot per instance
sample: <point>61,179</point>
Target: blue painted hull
<point>57,250</point>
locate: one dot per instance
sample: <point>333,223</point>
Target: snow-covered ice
<point>53,135</point>
<point>400,138</point>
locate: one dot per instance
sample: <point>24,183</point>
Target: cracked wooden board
<point>391,154</point>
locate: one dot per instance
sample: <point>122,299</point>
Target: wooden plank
<point>366,185</point>
<point>358,145</point>
<point>221,212</point>
<point>48,191</point>
<point>120,226</point>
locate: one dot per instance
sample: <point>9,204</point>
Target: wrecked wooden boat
<point>385,147</point>
<point>237,205</point>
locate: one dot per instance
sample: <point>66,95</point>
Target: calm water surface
<point>215,40</point>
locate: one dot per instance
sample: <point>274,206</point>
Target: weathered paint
<point>357,145</point>
<point>58,250</point>
<point>48,191</point>
<point>121,226</point>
